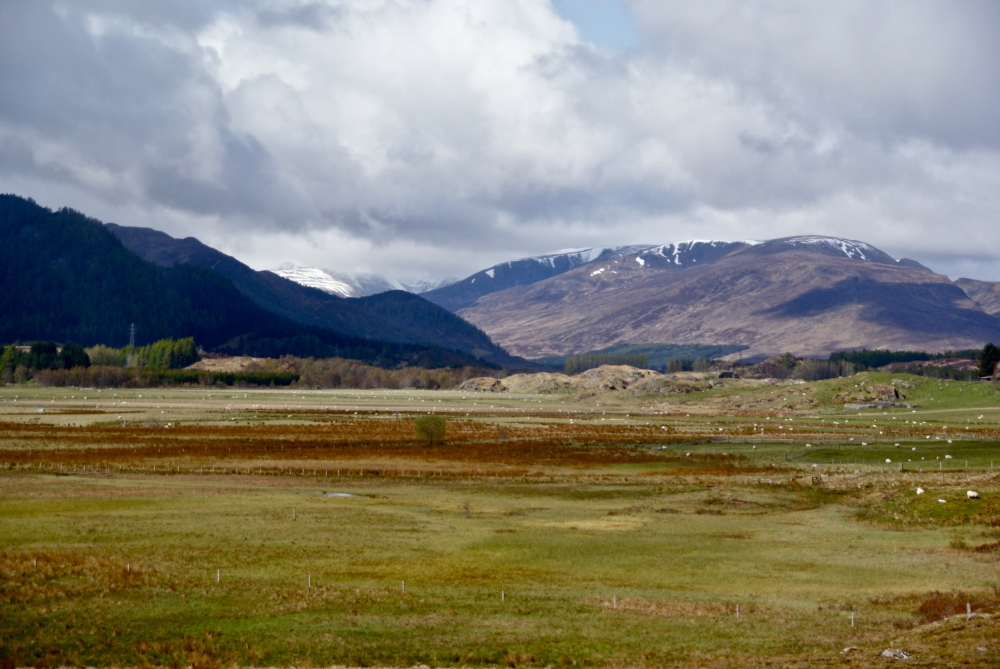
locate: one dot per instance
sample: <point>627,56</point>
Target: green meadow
<point>739,549</point>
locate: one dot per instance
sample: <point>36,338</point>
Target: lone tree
<point>430,429</point>
<point>988,359</point>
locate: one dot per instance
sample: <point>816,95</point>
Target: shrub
<point>430,429</point>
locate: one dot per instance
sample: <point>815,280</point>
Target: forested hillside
<point>65,277</point>
<point>396,316</point>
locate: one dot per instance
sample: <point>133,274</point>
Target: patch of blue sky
<point>602,22</point>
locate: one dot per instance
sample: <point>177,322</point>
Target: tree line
<point>43,358</point>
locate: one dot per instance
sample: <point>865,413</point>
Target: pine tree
<point>988,359</point>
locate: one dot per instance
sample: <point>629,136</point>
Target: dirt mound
<point>240,363</point>
<point>606,377</point>
<point>483,384</point>
<point>543,382</point>
<point>618,377</point>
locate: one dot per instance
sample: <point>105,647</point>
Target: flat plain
<point>744,524</point>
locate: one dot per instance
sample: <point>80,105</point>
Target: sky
<point>434,138</point>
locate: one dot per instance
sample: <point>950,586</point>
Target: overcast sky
<point>438,137</point>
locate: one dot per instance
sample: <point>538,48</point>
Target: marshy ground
<point>214,527</point>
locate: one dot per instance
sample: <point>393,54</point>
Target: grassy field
<point>219,527</point>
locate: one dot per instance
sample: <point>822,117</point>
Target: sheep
<point>972,494</point>
<point>942,501</point>
<point>920,491</point>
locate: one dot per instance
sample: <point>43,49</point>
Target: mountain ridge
<point>66,277</point>
<point>985,293</point>
<point>522,271</point>
<point>413,321</point>
<point>809,295</point>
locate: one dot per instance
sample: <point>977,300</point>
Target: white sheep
<point>920,491</point>
<point>972,494</point>
<point>942,501</point>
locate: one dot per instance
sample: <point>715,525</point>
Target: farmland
<point>737,525</point>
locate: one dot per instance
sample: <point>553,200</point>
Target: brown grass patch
<point>373,438</point>
<point>940,605</point>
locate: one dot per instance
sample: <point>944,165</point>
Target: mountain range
<point>69,277</point>
<point>393,316</point>
<point>810,295</point>
<point>807,295</point>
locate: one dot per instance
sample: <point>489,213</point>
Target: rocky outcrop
<point>483,384</point>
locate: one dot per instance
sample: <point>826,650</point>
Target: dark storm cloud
<point>439,135</point>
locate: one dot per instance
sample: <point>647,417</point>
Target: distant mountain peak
<point>836,246</point>
<point>346,284</point>
<point>315,278</point>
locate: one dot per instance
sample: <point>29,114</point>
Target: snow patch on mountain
<point>344,284</point>
<point>836,246</point>
<point>315,278</point>
<point>678,253</point>
<point>848,247</point>
<point>580,256</point>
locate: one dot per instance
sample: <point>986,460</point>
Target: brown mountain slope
<point>774,297</point>
<point>985,293</point>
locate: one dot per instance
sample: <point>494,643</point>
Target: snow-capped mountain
<point>831,246</point>
<point>809,295</point>
<point>373,284</point>
<point>316,278</point>
<point>524,271</point>
<point>344,284</point>
<point>685,254</point>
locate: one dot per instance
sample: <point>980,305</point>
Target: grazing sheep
<point>942,501</point>
<point>972,494</point>
<point>920,491</point>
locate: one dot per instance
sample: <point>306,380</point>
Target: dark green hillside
<point>396,316</point>
<point>65,277</point>
<point>417,318</point>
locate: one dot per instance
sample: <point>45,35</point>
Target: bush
<point>343,373</point>
<point>430,429</point>
<point>105,356</point>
